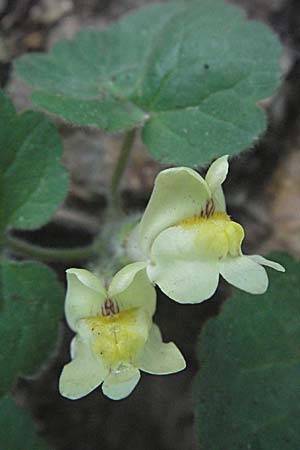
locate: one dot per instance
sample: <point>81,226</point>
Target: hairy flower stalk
<point>187,238</point>
<point>115,336</point>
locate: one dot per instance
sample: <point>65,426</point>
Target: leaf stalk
<point>19,246</point>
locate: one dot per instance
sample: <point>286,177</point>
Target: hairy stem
<point>121,164</point>
<point>24,248</point>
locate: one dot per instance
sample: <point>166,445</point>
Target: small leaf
<point>248,387</point>
<point>31,304</point>
<point>17,430</point>
<point>189,73</point>
<point>32,178</point>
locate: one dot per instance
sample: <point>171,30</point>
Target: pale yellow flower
<point>115,336</point>
<point>187,238</point>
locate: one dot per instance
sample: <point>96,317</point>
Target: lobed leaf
<point>248,386</point>
<point>31,304</point>
<point>32,180</point>
<point>188,73</point>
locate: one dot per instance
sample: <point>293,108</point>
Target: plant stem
<point>48,254</point>
<point>121,164</point>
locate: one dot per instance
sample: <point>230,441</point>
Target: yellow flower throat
<point>215,235</point>
<point>118,336</point>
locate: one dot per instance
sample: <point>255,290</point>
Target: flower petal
<point>217,173</point>
<point>118,385</point>
<point>266,262</point>
<point>245,274</point>
<point>83,374</point>
<point>180,268</point>
<point>75,346</point>
<point>215,176</point>
<point>88,279</point>
<point>178,193</point>
<point>219,200</point>
<point>85,295</point>
<point>160,358</point>
<point>131,288</point>
<point>124,278</point>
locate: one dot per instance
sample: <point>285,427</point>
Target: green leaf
<point>17,430</point>
<point>248,386</point>
<point>32,180</point>
<point>31,304</point>
<point>189,73</point>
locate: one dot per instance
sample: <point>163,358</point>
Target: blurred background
<point>263,192</point>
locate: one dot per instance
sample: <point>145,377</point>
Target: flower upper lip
<point>179,193</point>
